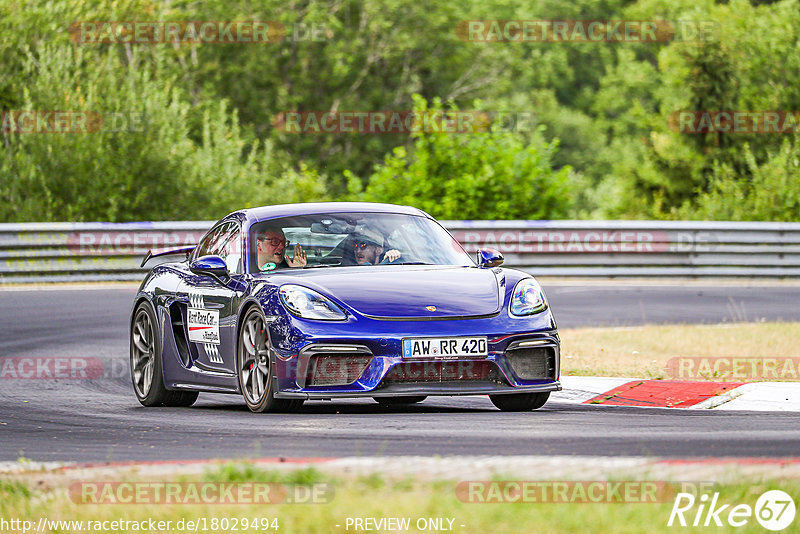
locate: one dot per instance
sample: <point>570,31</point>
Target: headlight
<point>309,304</point>
<point>527,298</point>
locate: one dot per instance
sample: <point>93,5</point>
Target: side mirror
<point>211,266</point>
<point>489,257</point>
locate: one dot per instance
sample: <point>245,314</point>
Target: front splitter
<point>418,389</point>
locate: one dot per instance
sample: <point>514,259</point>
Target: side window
<point>230,249</point>
<point>208,242</point>
<point>225,242</point>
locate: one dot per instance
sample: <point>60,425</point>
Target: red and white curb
<point>607,391</point>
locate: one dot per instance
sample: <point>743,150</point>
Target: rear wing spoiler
<point>166,252</point>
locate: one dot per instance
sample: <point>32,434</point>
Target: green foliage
<point>492,175</point>
<point>14,489</point>
<point>749,62</point>
<point>249,472</point>
<point>772,192</point>
<point>208,145</point>
<point>144,161</point>
<point>371,482</point>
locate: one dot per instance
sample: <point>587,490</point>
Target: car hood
<point>400,292</point>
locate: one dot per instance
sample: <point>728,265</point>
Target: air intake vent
<point>337,369</point>
<point>533,363</point>
<point>186,353</point>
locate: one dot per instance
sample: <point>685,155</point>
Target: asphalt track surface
<point>100,420</point>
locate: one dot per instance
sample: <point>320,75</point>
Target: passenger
<point>271,246</point>
<point>368,249</point>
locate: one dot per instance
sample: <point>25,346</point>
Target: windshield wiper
<point>410,263</point>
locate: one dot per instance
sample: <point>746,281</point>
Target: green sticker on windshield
<point>268,266</point>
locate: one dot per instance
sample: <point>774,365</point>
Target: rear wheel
<point>255,369</point>
<point>146,371</point>
<point>520,402</point>
<point>394,401</point>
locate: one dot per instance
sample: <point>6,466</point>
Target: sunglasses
<point>363,244</point>
<point>274,241</point>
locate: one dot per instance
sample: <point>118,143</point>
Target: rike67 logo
<point>774,510</point>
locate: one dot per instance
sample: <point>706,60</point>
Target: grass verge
<point>419,501</point>
<point>643,351</point>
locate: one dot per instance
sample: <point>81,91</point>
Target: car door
<point>212,304</point>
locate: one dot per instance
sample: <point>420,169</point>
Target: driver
<point>271,246</point>
<point>368,249</point>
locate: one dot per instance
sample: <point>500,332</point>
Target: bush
<point>121,173</point>
<point>771,193</point>
<point>491,175</point>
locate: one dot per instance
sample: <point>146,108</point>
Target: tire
<point>147,374</point>
<point>520,402</point>
<point>254,368</point>
<point>397,401</point>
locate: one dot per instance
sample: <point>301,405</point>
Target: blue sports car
<point>331,300</point>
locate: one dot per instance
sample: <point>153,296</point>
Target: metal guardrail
<point>640,248</point>
<point>48,252</point>
<point>73,252</point>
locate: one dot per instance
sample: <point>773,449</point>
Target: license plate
<point>445,347</point>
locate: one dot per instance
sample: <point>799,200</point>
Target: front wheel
<point>255,369</point>
<point>520,402</point>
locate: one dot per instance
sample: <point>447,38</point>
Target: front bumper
<point>385,372</point>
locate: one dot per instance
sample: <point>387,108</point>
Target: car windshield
<point>357,240</point>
